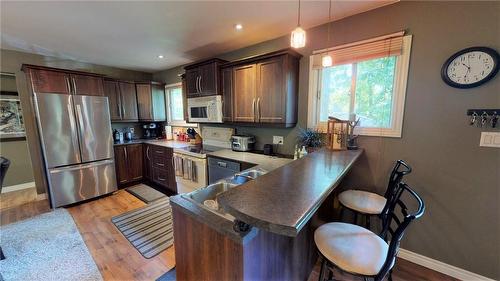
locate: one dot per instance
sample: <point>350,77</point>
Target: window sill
<point>369,132</point>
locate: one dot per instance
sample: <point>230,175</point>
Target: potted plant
<point>312,139</point>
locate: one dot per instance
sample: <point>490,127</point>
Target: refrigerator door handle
<point>72,123</point>
<point>81,124</point>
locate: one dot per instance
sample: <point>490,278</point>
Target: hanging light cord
<point>298,17</point>
<point>329,21</point>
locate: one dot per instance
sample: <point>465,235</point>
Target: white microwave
<point>205,109</point>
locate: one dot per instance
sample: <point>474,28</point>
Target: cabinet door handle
<point>123,107</point>
<point>74,85</point>
<point>201,90</point>
<point>258,109</point>
<point>160,164</point>
<point>68,84</point>
<point>158,151</point>
<point>253,109</point>
<point>126,154</point>
<point>147,153</point>
<point>222,164</point>
<point>160,179</point>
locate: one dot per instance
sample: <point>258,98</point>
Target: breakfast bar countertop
<point>284,200</point>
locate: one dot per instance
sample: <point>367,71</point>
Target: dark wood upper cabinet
<point>227,94</point>
<point>47,81</point>
<point>87,85</point>
<point>128,163</point>
<point>244,90</point>
<point>203,78</point>
<point>128,101</point>
<point>151,101</point>
<point>263,89</point>
<point>271,93</point>
<point>112,91</point>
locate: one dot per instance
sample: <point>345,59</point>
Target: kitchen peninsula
<point>266,233</point>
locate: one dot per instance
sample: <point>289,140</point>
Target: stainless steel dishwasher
<point>219,168</point>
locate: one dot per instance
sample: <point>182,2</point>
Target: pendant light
<point>326,60</point>
<point>298,38</point>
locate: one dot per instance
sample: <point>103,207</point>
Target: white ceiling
<point>132,34</point>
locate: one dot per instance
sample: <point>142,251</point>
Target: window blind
<point>383,46</point>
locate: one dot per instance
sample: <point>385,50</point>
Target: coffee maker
<point>151,131</point>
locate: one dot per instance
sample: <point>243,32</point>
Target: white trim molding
<point>441,267</point>
<point>18,187</point>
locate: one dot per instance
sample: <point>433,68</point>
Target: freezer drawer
<point>81,182</point>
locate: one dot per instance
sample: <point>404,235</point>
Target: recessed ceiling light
<point>160,56</point>
<point>238,26</point>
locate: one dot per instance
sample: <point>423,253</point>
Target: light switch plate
<point>490,139</point>
<point>278,140</point>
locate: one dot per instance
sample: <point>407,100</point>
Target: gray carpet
<point>169,276</point>
<point>145,193</point>
<point>46,247</point>
<point>149,229</point>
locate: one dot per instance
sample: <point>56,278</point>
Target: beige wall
<point>11,62</point>
<point>459,181</point>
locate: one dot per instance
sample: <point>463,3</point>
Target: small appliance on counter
<point>117,136</point>
<point>151,131</point>
<point>242,143</point>
<point>268,149</point>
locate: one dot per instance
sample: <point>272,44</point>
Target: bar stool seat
<point>352,248</point>
<point>363,201</point>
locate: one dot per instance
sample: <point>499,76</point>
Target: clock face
<point>470,67</point>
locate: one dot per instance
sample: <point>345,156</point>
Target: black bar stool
<point>357,250</point>
<point>4,166</point>
<point>368,203</point>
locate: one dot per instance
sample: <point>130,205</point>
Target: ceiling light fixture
<point>160,56</point>
<point>298,38</point>
<point>238,26</point>
<point>326,60</point>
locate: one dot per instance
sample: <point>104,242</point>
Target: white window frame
<point>398,98</point>
<point>177,123</point>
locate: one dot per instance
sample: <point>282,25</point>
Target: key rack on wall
<point>483,117</point>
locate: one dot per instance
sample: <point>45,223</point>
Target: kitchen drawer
<point>165,152</point>
<point>161,161</point>
<point>160,176</point>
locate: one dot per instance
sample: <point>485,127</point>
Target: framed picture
<point>11,118</point>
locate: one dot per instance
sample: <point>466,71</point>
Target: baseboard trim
<point>442,267</point>
<point>18,187</point>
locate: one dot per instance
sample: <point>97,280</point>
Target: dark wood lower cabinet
<point>128,163</point>
<point>159,168</point>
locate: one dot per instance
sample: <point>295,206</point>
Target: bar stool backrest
<point>396,223</point>
<point>4,166</point>
<point>400,170</point>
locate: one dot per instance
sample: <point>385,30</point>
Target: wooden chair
<point>357,250</point>
<point>368,203</point>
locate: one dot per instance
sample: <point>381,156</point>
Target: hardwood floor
<point>115,257</point>
<point>17,198</point>
<point>118,260</point>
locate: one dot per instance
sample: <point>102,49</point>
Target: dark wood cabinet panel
<point>271,93</point>
<point>184,97</point>
<point>128,163</point>
<point>87,85</point>
<point>192,78</point>
<point>148,162</point>
<point>227,94</point>
<point>47,81</point>
<point>144,102</point>
<point>121,165</point>
<point>112,91</point>
<point>244,78</point>
<point>208,79</point>
<point>151,101</point>
<point>134,161</point>
<point>128,101</point>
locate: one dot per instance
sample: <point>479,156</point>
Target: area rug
<point>145,193</point>
<point>149,229</point>
<point>46,247</point>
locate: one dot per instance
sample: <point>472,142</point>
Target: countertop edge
<point>285,229</point>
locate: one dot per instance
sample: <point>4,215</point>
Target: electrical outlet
<point>490,139</point>
<point>278,140</point>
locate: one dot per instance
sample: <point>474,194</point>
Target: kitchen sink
<point>253,174</point>
<point>207,197</point>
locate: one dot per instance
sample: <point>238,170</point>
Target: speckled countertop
<point>265,162</point>
<point>283,201</point>
<point>159,142</point>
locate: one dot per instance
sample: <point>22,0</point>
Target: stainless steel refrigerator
<point>77,144</point>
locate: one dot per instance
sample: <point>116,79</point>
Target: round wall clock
<point>470,67</point>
